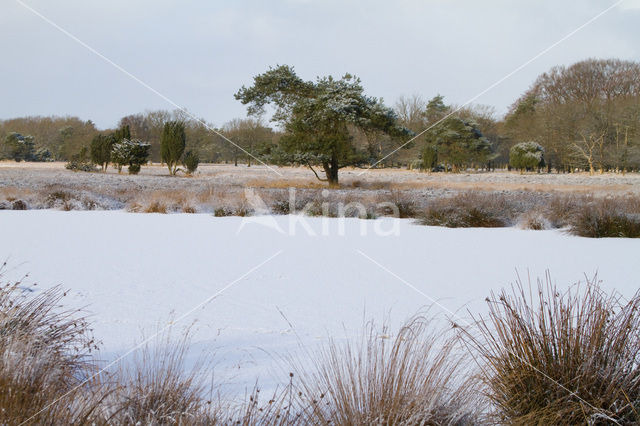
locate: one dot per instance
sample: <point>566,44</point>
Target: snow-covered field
<point>275,284</point>
<point>38,176</point>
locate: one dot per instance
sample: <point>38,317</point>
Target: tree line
<point>63,138</point>
<point>582,117</point>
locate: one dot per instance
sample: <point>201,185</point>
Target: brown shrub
<point>609,217</point>
<point>156,207</point>
<point>561,358</point>
<point>412,378</point>
<point>470,210</point>
<point>156,387</point>
<point>44,356</point>
<point>534,220</point>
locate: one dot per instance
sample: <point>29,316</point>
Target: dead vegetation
<point>412,377</point>
<point>550,356</point>
<point>608,206</point>
<point>544,356</point>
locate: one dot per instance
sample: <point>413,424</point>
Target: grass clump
<point>411,378</point>
<point>157,388</point>
<point>615,218</point>
<point>534,220</point>
<point>222,212</point>
<point>44,356</point>
<point>561,358</point>
<point>404,203</point>
<point>156,207</point>
<point>469,210</point>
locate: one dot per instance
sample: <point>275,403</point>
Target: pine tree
<point>172,144</point>
<point>122,133</point>
<point>318,118</point>
<point>132,153</point>
<point>100,150</point>
<point>19,147</point>
<point>191,161</point>
<point>526,156</point>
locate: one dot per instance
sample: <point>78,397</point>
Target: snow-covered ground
<point>283,282</point>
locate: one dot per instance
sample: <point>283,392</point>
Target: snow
<point>280,287</point>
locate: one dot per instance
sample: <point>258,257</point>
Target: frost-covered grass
<point>451,200</point>
<point>558,356</point>
<point>49,185</point>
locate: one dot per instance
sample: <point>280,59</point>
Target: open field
<point>50,185</point>
<point>29,175</point>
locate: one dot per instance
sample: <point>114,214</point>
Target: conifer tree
<point>172,144</point>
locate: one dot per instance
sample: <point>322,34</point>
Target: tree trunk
<point>331,171</point>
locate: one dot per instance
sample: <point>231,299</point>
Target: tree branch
<point>315,173</point>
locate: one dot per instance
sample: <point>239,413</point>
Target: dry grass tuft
<point>534,220</point>
<point>470,210</point>
<point>608,217</point>
<point>286,183</point>
<point>561,358</point>
<point>374,185</point>
<point>156,207</point>
<point>405,204</point>
<point>44,356</point>
<point>412,378</point>
<point>157,388</point>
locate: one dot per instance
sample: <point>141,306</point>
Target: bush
<point>100,150</point>
<point>80,166</point>
<point>18,147</point>
<point>18,205</point>
<point>561,358</point>
<point>130,152</point>
<point>134,169</point>
<point>470,210</point>
<point>429,158</point>
<point>191,161</point>
<point>614,218</point>
<point>526,156</point>
<point>222,212</point>
<point>172,144</point>
<point>79,162</point>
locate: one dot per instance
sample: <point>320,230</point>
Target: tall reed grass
<point>561,357</point>
<point>413,378</point>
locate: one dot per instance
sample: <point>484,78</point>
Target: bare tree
<point>411,112</point>
<point>576,112</point>
<point>246,133</point>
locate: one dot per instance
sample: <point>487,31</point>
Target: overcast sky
<point>198,53</point>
